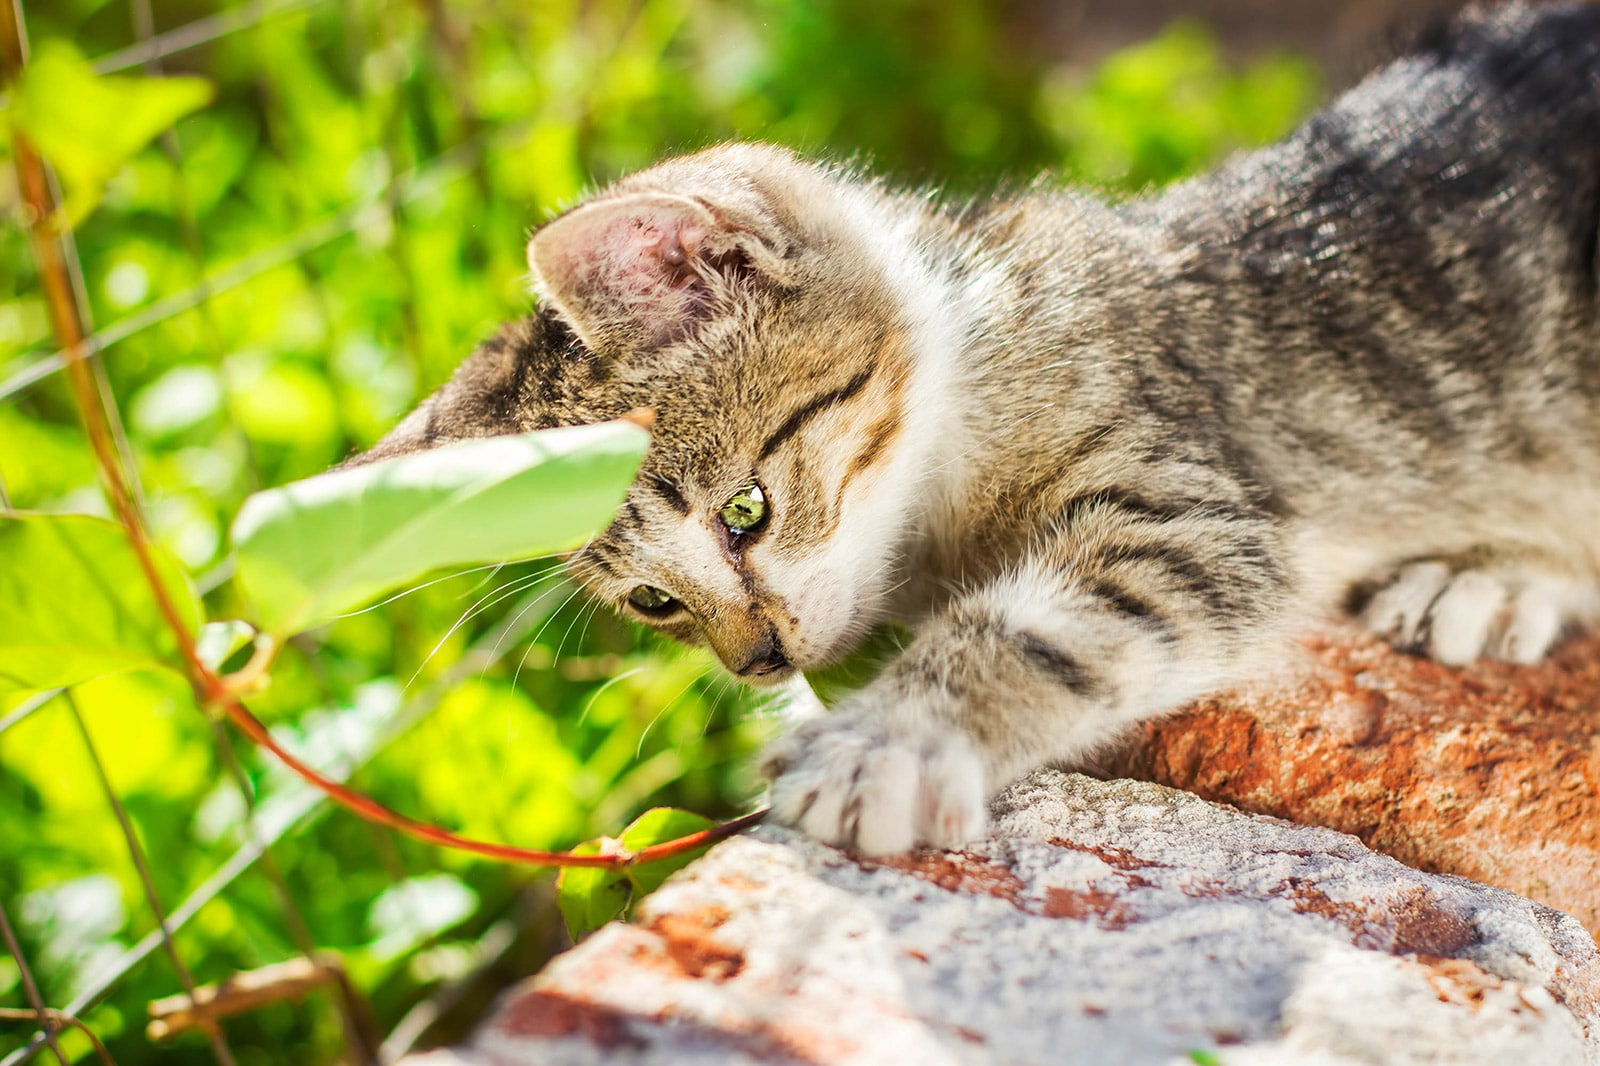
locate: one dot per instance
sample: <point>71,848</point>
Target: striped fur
<point>1102,458</point>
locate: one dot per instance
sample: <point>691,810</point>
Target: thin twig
<point>196,33</point>
<point>59,1018</point>
<point>30,988</point>
<point>219,1043</point>
<point>242,992</point>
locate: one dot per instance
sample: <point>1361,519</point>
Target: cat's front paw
<point>1455,616</point>
<point>876,787</point>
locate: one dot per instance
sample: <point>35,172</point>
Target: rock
<point>1105,922</point>
<point>1491,772</point>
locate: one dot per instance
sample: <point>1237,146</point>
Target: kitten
<point>1100,457</point>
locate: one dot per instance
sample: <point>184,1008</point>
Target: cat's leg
<point>1129,611</point>
<point>1459,609</point>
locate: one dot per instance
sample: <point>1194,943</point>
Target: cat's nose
<point>765,658</point>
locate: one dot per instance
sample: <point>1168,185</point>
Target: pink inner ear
<point>661,247</point>
<point>630,265</point>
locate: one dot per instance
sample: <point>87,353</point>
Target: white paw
<point>855,781</point>
<point>1455,618</point>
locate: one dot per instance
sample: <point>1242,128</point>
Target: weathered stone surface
<point>1491,772</point>
<point>1106,922</point>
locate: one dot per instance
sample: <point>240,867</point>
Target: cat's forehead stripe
<point>809,410</point>
<point>670,492</point>
<point>595,555</point>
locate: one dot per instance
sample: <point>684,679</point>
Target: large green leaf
<point>77,605</point>
<point>88,125</point>
<point>312,550</point>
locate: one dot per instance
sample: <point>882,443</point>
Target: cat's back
<point>1505,71</point>
<point>1482,115</point>
<point>1403,296</point>
<point>1446,209</point>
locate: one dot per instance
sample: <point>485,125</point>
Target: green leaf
<point>312,550</point>
<point>1204,1058</point>
<point>77,605</point>
<point>590,896</point>
<point>656,826</point>
<point>88,125</point>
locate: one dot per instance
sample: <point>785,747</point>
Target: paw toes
<point>1533,623</point>
<point>790,800</point>
<point>852,783</point>
<point>1398,610</point>
<point>829,774</point>
<point>951,810</point>
<point>1508,613</point>
<point>883,803</point>
<point>1462,616</point>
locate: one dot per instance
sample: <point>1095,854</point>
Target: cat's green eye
<point>651,600</point>
<point>746,511</point>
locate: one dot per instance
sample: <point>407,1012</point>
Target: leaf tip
<point>643,417</point>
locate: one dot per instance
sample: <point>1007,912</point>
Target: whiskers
<point>694,679</point>
<point>585,615</point>
<point>409,589</point>
<point>547,574</point>
<point>599,690</point>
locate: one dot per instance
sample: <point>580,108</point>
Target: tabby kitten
<point>1101,458</point>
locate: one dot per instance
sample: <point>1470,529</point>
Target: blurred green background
<point>291,270</point>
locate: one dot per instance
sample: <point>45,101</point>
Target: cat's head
<point>777,325</point>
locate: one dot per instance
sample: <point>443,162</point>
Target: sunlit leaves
<point>592,896</point>
<point>310,551</point>
<point>1167,107</point>
<point>283,402</point>
<point>657,826</point>
<point>491,731</point>
<point>77,605</point>
<point>88,125</point>
<point>178,400</point>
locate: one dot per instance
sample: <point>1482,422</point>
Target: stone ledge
<point>1491,771</point>
<point>1105,922</point>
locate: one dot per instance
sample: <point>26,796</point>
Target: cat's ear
<point>637,271</point>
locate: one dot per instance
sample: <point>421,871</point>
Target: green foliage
<point>1171,106</point>
<point>403,151</point>
<point>88,126</point>
<point>592,896</point>
<point>309,551</point>
<point>77,605</point>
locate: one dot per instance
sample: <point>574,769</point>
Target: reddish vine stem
<point>212,691</point>
<point>373,811</point>
<point>69,333</point>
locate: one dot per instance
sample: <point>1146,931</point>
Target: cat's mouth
<point>770,679</point>
<point>768,662</point>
